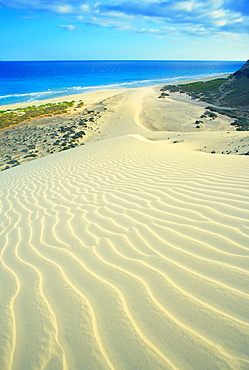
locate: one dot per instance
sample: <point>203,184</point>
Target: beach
<point>130,250</point>
<point>112,113</point>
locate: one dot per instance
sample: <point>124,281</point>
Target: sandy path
<point>123,114</point>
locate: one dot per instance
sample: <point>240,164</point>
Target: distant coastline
<point>81,95</point>
<point>29,82</point>
<point>109,113</point>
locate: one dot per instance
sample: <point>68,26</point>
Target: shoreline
<point>102,92</point>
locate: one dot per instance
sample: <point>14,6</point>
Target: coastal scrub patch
<point>241,117</point>
<point>14,116</point>
<point>208,91</point>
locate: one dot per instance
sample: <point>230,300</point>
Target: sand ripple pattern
<point>125,254</point>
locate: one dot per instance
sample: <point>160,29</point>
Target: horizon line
<point>124,60</point>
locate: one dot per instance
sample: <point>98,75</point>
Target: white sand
<point>126,253</point>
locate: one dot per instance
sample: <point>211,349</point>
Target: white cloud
<point>213,16</point>
<point>62,9</point>
<point>238,20</point>
<point>221,22</point>
<point>85,8</point>
<point>108,22</point>
<point>68,27</point>
<point>218,13</point>
<point>184,5</point>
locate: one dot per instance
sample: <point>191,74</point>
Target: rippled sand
<point>125,254</point>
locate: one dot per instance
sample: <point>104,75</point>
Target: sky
<point>124,30</point>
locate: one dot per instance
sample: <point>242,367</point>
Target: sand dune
<point>139,111</point>
<point>125,254</point>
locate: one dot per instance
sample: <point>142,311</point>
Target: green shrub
<point>12,117</point>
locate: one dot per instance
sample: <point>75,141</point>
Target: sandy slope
<point>130,252</point>
<point>125,254</point>
<point>139,111</point>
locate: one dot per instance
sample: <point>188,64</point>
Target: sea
<point>37,80</point>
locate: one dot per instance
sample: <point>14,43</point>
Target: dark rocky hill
<point>243,72</point>
<point>235,92</point>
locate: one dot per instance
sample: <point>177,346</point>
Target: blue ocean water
<point>32,81</point>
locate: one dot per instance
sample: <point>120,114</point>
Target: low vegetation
<point>228,96</point>
<point>14,116</point>
<point>241,117</point>
<point>208,91</point>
